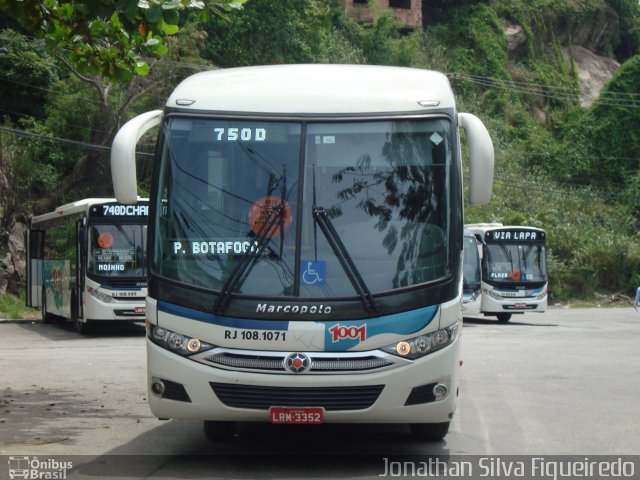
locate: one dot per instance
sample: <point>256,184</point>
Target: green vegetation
<point>105,38</point>
<point>12,308</point>
<point>572,170</point>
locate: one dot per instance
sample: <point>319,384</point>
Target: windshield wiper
<point>249,258</point>
<point>321,219</point>
<point>507,253</point>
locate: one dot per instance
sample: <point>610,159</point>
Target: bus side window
<point>36,244</point>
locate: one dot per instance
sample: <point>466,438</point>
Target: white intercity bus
<point>514,269</point>
<point>471,275</point>
<point>86,262</point>
<point>305,245</point>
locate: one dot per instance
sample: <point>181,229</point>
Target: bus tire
<point>503,317</point>
<point>430,431</point>
<point>218,431</point>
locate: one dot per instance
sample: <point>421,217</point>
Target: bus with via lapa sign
<point>514,269</point>
<point>86,262</point>
<point>305,245</point>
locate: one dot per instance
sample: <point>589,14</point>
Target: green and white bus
<point>86,262</point>
<point>305,255</point>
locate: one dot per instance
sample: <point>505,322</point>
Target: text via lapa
<point>522,235</point>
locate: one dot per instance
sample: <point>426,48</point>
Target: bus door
<point>34,248</point>
<point>77,309</point>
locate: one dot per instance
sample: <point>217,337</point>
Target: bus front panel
<point>305,256</point>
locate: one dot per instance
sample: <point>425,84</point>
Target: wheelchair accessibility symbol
<point>313,273</point>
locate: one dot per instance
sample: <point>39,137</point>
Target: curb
<point>20,320</point>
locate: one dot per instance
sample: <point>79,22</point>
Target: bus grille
<point>319,364</point>
<point>331,398</point>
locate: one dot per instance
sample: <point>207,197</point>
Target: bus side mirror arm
<point>123,155</point>
<point>481,158</point>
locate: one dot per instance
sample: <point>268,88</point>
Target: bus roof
<point>314,89</point>
<point>72,208</point>
<point>484,227</point>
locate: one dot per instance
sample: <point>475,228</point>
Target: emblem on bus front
<point>297,363</point>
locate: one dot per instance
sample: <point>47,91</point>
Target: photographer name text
<point>496,467</point>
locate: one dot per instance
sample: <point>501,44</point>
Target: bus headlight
<point>176,342</point>
<point>422,345</point>
<point>492,293</point>
<point>103,297</point>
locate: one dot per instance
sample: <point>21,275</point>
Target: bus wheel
<point>504,317</point>
<point>219,431</point>
<point>430,431</point>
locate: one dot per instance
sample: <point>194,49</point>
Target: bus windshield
<point>513,263</point>
<point>117,250</point>
<point>249,199</point>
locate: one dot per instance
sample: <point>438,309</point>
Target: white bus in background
<point>514,269</point>
<point>471,275</point>
<point>306,245</point>
<point>86,262</point>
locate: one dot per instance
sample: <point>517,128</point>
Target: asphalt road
<point>561,383</point>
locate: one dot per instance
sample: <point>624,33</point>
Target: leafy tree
<point>615,119</point>
<point>628,41</point>
<point>287,31</point>
<point>106,44</point>
<point>248,39</point>
<point>24,63</point>
<point>108,38</point>
<point>602,144</point>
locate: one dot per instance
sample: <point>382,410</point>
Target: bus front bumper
<point>404,396</point>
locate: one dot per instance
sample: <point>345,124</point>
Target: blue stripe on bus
<point>109,287</point>
<point>404,323</point>
<point>534,292</point>
<point>223,321</point>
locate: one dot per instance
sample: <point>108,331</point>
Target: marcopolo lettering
<point>293,309</point>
